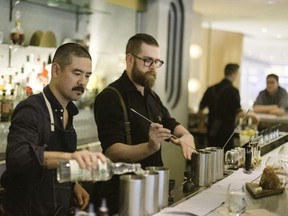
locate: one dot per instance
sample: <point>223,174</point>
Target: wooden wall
<point>219,48</point>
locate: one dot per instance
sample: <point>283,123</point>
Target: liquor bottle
<point>70,171</point>
<point>17,34</point>
<point>43,75</point>
<point>6,106</point>
<point>248,159</point>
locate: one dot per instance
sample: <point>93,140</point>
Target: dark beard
<point>144,79</point>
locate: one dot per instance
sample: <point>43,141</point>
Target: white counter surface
<point>211,201</point>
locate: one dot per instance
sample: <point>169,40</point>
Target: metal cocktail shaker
<point>220,162</point>
<point>132,195</point>
<point>163,191</point>
<point>201,165</point>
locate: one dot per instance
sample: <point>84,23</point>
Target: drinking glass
<point>236,199</point>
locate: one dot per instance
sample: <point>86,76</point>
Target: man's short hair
<point>274,76</point>
<point>231,68</point>
<point>64,53</point>
<point>134,43</point>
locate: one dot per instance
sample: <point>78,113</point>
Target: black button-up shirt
<point>29,136</point>
<point>110,118</point>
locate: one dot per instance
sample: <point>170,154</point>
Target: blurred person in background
<point>223,103</point>
<point>273,99</point>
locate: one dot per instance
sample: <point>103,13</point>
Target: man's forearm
<point>264,108</point>
<point>120,152</point>
<point>51,158</point>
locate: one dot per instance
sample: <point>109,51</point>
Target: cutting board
<point>250,187</point>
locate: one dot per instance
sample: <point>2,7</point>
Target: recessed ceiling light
<point>264,30</point>
<point>279,36</point>
<point>270,2</point>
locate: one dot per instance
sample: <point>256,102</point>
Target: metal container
<point>201,165</point>
<point>220,162</point>
<point>214,163</point>
<point>163,185</point>
<point>151,188</point>
<point>132,195</point>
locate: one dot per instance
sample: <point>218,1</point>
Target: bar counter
<point>268,120</point>
<point>211,201</point>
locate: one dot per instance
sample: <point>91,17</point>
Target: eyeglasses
<point>149,61</point>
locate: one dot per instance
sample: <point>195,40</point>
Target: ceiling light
<point>270,2</point>
<point>264,30</point>
<point>195,51</point>
<point>194,85</point>
<point>279,36</point>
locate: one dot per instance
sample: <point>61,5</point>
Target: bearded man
<point>135,140</point>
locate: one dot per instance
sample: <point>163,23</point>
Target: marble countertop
<point>211,201</point>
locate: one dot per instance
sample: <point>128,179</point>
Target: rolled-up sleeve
<point>109,118</point>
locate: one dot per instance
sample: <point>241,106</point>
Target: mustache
<point>78,88</point>
<point>152,73</point>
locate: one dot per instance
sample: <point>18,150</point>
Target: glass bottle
<point>248,159</point>
<point>17,34</point>
<point>69,170</point>
<point>6,107</point>
<point>43,75</point>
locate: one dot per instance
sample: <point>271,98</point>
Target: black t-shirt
<point>223,102</point>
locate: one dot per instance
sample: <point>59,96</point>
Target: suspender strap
<point>126,120</point>
<point>50,111</point>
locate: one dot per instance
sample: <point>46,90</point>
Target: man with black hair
<point>42,133</point>
<point>223,102</point>
<point>273,99</point>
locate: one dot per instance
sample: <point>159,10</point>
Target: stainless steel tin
<point>163,185</point>
<point>201,165</point>
<point>132,195</point>
<point>220,162</point>
<point>214,163</point>
<point>151,189</point>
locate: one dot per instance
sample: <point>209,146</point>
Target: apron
<point>60,194</point>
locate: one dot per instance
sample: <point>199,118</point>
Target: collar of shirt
<point>57,107</point>
<point>129,85</point>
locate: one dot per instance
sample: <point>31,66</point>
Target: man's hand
<point>255,119</point>
<point>187,144</point>
<point>81,196</point>
<point>277,111</point>
<point>87,159</point>
<point>157,134</point>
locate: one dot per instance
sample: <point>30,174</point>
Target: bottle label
<point>102,170</point>
<point>78,174</point>
<point>6,107</point>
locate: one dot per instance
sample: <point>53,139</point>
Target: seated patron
<point>273,99</point>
